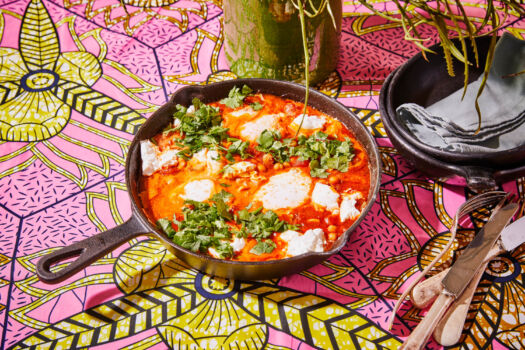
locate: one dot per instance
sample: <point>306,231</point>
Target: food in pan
<point>252,178</point>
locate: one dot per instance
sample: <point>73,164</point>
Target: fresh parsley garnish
<point>200,129</point>
<point>269,141</point>
<point>324,153</point>
<point>256,106</point>
<point>260,225</point>
<point>266,246</point>
<point>236,96</point>
<point>165,225</point>
<point>237,146</point>
<point>204,226</point>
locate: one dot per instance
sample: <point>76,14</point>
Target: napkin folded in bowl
<point>450,124</point>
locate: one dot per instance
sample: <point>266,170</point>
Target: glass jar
<point>263,39</point>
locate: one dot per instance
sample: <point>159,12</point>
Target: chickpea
<point>267,160</point>
<point>198,166</point>
<point>278,166</point>
<point>332,228</point>
<point>332,237</point>
<point>261,167</point>
<point>286,164</point>
<point>182,164</point>
<point>333,179</point>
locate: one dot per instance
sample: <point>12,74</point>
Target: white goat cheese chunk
<point>310,241</point>
<point>148,154</point>
<point>238,169</point>
<point>310,122</point>
<point>325,196</point>
<point>251,130</point>
<point>289,235</point>
<point>198,190</point>
<point>214,253</point>
<point>285,190</point>
<point>244,111</point>
<point>238,244</point>
<point>348,209</point>
<point>153,159</point>
<point>209,159</point>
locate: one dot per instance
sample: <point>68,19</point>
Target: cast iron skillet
<point>424,82</point>
<point>93,248</point>
<point>477,177</point>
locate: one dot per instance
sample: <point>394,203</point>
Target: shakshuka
<point>252,177</point>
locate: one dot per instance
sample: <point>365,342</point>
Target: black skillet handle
<point>479,179</point>
<point>88,251</point>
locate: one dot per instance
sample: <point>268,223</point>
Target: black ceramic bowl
<point>426,82</point>
<point>91,249</point>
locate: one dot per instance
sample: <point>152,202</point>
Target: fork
<point>472,204</point>
<point>449,329</point>
<point>425,292</point>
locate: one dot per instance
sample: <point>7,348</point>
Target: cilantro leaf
<point>200,128</point>
<point>269,141</point>
<point>256,106</point>
<point>266,246</point>
<point>220,203</point>
<point>236,96</point>
<point>324,153</point>
<point>260,225</point>
<point>237,147</point>
<point>165,225</point>
<point>205,226</point>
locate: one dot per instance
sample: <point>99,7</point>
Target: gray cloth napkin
<point>450,123</point>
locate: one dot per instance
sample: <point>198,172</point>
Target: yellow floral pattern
<point>79,77</point>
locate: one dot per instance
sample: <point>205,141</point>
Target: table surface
<point>71,71</point>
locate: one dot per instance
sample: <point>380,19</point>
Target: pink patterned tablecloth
<point>77,77</point>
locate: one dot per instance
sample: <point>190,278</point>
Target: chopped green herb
<point>236,96</point>
<point>224,184</point>
<point>324,153</point>
<point>203,226</point>
<point>220,200</point>
<point>200,129</point>
<point>260,225</point>
<point>237,147</point>
<point>256,106</point>
<point>269,141</point>
<point>266,246</point>
<point>165,225</point>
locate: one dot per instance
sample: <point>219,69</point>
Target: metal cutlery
<point>461,273</point>
<point>448,331</point>
<point>474,203</point>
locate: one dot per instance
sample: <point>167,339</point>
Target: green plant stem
<point>306,64</point>
<point>438,17</point>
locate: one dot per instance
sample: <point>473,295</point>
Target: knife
<point>460,275</point>
<point>512,236</point>
<point>449,329</point>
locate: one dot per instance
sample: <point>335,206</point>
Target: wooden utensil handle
<point>424,292</point>
<point>448,330</point>
<point>419,336</point>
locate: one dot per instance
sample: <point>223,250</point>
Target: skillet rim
<point>259,85</point>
